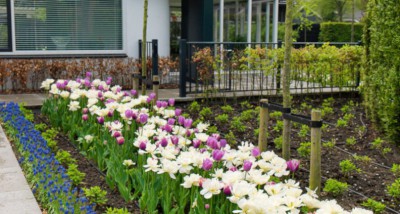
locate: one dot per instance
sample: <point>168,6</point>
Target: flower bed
<point>153,154</point>
<point>51,184</point>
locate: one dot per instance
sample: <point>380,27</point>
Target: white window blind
<point>68,25</point>
<point>4,28</point>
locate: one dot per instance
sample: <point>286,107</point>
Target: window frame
<point>11,52</point>
<point>9,29</point>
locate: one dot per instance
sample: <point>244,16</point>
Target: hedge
<point>339,32</point>
<point>382,74</point>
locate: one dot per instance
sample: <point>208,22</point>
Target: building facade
<point>114,27</point>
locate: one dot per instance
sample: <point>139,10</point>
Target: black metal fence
<point>213,67</point>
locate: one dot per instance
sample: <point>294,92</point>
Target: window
<point>67,25</point>
<point>5,26</point>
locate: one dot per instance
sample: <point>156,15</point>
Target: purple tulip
<point>196,130</point>
<point>188,133</point>
<point>247,165</point>
<point>87,82</point>
<point>293,165</point>
<point>60,85</point>
<point>207,164</point>
<point>116,134</point>
<point>187,123</point>
<point>100,120</point>
<point>227,190</point>
<point>85,110</point>
<point>88,74</point>
<point>212,142</point>
<point>148,100</point>
<point>164,142</point>
<point>171,121</point>
<point>126,94</point>
<point>85,117</point>
<point>175,140</point>
<point>222,143</point>
<point>171,102</point>
<point>159,104</point>
<point>128,113</point>
<point>101,88</point>
<point>202,150</point>
<point>207,206</point>
<point>108,81</point>
<point>181,120</point>
<point>255,152</point>
<point>152,95</point>
<point>100,94</point>
<point>110,113</point>
<point>142,146</point>
<point>218,154</point>
<point>109,101</point>
<point>216,136</point>
<point>143,118</point>
<point>233,169</point>
<point>118,89</point>
<point>178,112</point>
<point>120,140</point>
<point>196,143</point>
<point>166,128</point>
<point>133,92</point>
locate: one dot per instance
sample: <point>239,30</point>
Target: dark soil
<point>94,177</point>
<point>375,175</point>
<point>370,182</point>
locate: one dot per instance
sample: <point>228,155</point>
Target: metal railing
<point>213,67</point>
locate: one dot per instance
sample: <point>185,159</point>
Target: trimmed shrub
<point>339,32</point>
<point>381,87</point>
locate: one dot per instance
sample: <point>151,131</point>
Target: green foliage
<point>64,157</point>
<point>375,206</point>
<point>335,187</point>
<point>212,129</point>
<point>247,115</point>
<point>395,170</point>
<point>381,88</point>
<point>113,210</point>
<point>278,142</point>
<point>275,115</point>
<point>28,114</point>
<point>278,126</point>
<point>246,104</point>
<point>222,118</point>
<point>96,195</point>
<point>41,127</point>
<point>351,141</point>
<point>348,117</point>
<point>304,149</point>
<point>194,107</point>
<point>231,138</point>
<point>206,112</point>
<point>347,167</point>
<point>362,158</point>
<point>236,124</point>
<point>304,131</point>
<point>227,109</point>
<point>339,32</point>
<point>394,189</point>
<point>329,144</point>
<point>75,175</point>
<point>377,143</point>
<point>341,123</point>
<point>386,150</point>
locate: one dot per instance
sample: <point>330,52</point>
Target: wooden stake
<point>264,120</point>
<point>315,160</point>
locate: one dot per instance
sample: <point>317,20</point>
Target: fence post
<point>315,160</point>
<point>156,85</point>
<point>264,120</point>
<point>278,72</point>
<point>183,67</point>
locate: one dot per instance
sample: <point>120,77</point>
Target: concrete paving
<point>16,196</point>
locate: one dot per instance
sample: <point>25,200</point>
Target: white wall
<point>157,25</point>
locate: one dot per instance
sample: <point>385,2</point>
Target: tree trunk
<point>144,47</point>
<point>286,78</point>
